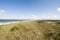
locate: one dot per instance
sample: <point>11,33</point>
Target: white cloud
<point>58,9</point>
<point>2,11</point>
<point>35,16</point>
<point>51,17</point>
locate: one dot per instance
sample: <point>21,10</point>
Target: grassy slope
<point>32,30</point>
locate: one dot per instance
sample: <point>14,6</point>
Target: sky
<point>29,9</point>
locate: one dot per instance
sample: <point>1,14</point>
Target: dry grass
<point>32,30</point>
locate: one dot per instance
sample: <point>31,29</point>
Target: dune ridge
<point>31,30</point>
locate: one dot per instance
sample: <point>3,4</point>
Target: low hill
<point>31,30</point>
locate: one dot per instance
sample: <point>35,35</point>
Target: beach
<point>2,23</point>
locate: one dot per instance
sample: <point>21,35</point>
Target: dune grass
<point>32,30</point>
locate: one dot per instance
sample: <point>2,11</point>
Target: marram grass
<point>32,30</point>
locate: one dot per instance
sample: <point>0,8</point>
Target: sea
<point>8,21</point>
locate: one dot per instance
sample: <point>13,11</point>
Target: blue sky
<point>29,9</point>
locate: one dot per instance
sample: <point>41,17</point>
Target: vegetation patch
<point>32,30</point>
